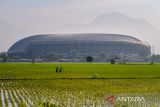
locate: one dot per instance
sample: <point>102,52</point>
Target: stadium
<point>78,46</point>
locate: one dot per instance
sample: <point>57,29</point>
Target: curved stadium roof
<point>84,36</point>
<point>20,45</point>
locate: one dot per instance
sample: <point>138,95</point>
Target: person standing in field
<point>57,68</point>
<point>60,70</point>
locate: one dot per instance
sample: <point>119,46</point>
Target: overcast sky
<point>29,15</point>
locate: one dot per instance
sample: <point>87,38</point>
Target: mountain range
<point>114,23</point>
<point>117,23</point>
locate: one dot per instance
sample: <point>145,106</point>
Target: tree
<point>113,58</point>
<point>113,61</point>
<point>89,58</point>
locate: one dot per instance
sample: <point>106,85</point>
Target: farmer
<point>57,68</point>
<point>60,70</point>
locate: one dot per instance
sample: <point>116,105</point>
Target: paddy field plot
<point>79,84</point>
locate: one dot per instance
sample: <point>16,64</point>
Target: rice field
<point>78,85</point>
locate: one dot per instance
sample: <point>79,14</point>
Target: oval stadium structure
<point>78,46</point>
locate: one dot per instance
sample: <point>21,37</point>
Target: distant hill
<point>114,23</point>
<point>117,23</point>
<point>117,18</point>
<point>111,23</point>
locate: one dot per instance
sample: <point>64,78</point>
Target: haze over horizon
<point>23,18</point>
